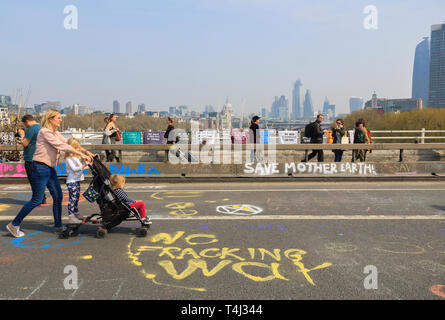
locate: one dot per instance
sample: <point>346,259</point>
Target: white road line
<point>36,289</point>
<point>256,190</point>
<point>271,217</point>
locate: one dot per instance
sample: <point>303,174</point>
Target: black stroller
<point>112,210</point>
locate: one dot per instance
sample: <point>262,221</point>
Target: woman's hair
<point>170,119</point>
<point>117,181</point>
<point>51,113</point>
<point>363,121</point>
<point>73,142</point>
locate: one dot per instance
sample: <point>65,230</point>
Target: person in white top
<point>74,170</point>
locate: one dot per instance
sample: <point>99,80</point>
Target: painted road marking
<point>264,190</point>
<point>270,217</point>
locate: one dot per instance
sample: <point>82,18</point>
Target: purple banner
<point>154,137</point>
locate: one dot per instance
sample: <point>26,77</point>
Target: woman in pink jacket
<point>50,143</point>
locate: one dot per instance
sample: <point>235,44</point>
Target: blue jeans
<point>43,177</point>
<point>338,155</point>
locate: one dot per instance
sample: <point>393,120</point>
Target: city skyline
<point>180,63</point>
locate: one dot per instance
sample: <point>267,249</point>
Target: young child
<point>74,170</point>
<point>117,183</point>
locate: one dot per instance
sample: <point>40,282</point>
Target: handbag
<point>90,194</point>
<point>345,139</point>
<point>118,136</point>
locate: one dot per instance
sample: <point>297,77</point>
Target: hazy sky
<point>196,52</point>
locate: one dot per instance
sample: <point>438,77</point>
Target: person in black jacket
<point>317,137</point>
<point>338,131</point>
<point>169,135</point>
<point>254,135</point>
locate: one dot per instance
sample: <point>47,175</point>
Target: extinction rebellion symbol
<point>239,209</point>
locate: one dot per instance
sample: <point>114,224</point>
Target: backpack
<point>309,130</point>
<point>359,136</point>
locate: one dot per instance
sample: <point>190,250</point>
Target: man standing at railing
<point>29,140</point>
<point>317,137</point>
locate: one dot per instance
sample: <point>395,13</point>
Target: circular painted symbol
<point>239,209</point>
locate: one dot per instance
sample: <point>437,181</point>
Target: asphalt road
<point>238,241</point>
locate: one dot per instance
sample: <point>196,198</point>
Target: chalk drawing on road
<point>176,194</point>
<point>182,208</point>
<point>438,290</point>
<point>4,207</point>
<point>40,240</point>
<point>181,260</point>
<point>341,247</point>
<point>239,209</point>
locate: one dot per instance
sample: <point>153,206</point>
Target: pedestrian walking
<point>359,138</point>
<point>109,136</point>
<point>316,136</point>
<point>367,135</point>
<point>50,143</point>
<point>74,170</point>
<point>254,135</point>
<point>338,132</point>
<point>169,135</point>
<point>28,141</point>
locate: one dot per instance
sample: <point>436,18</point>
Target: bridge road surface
<point>238,241</point>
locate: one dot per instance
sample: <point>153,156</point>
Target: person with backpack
<point>359,137</point>
<point>315,132</point>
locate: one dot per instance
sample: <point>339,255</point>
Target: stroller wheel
<point>65,234</point>
<point>141,232</point>
<point>101,233</point>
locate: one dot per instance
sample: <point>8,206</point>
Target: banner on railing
<point>132,137</point>
<point>289,137</point>
<point>153,137</point>
<point>240,136</point>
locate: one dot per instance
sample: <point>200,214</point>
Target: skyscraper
<point>116,107</point>
<point>436,97</point>
<point>325,107</point>
<point>280,108</point>
<point>296,108</point>
<point>355,104</point>
<point>129,108</point>
<point>421,71</point>
<point>141,108</point>
<point>307,105</point>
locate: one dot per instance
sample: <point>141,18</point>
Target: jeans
<point>43,177</point>
<point>338,155</point>
<point>28,174</point>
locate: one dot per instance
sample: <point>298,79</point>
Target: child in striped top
<point>117,183</point>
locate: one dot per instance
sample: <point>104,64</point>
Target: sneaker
<point>147,220</point>
<point>78,216</point>
<point>74,220</point>
<point>15,231</point>
<point>59,229</point>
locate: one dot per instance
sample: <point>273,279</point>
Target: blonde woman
<point>50,143</point>
<point>74,171</point>
<point>109,136</point>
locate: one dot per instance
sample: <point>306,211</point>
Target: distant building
<point>436,98</point>
<point>116,107</point>
<point>308,109</point>
<point>226,116</point>
<point>328,110</point>
<point>263,113</point>
<point>141,108</point>
<point>296,108</point>
<point>421,71</point>
<point>42,108</point>
<point>280,109</point>
<point>5,101</point>
<point>209,108</point>
<point>393,105</point>
<point>355,104</point>
<point>129,108</point>
<point>172,111</point>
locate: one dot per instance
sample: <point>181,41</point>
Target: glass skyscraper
<point>436,97</point>
<point>355,103</point>
<point>421,71</point>
<point>307,105</point>
<point>296,108</point>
